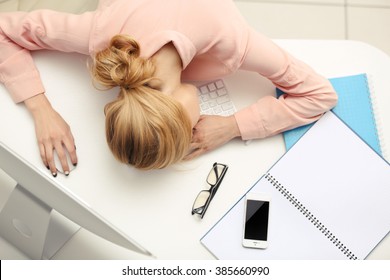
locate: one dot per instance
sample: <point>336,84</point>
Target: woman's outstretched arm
<point>21,33</point>
<point>307,96</point>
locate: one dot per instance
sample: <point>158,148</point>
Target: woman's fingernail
<point>54,174</point>
<point>67,173</point>
<point>75,164</point>
<point>48,168</point>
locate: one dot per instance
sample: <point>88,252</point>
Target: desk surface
<point>154,207</point>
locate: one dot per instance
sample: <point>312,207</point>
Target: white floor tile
<point>317,2</point>
<point>295,21</point>
<point>370,25</point>
<point>372,3</point>
<point>8,6</point>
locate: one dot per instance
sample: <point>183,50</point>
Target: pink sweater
<point>210,45</point>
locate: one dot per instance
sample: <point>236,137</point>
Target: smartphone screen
<point>256,220</point>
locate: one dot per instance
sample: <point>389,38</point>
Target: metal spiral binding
<point>299,206</point>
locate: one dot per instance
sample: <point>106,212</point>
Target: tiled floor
<point>363,20</point>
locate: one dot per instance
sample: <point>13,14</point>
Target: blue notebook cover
<point>354,107</point>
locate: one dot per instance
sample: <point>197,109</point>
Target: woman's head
<point>144,127</point>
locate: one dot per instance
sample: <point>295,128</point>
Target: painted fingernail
<point>48,168</point>
<point>75,164</point>
<point>54,174</point>
<point>67,173</point>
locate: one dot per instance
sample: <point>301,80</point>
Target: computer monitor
<point>41,215</point>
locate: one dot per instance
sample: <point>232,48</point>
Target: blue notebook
<point>354,107</point>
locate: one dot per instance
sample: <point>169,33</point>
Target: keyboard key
<point>222,99</point>
<point>204,106</point>
<point>218,111</point>
<point>213,95</point>
<point>205,97</point>
<point>222,91</point>
<point>227,106</point>
<point>212,103</point>
<point>203,90</point>
<point>211,87</point>
<point>219,84</point>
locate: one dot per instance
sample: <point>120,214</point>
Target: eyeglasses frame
<point>212,190</point>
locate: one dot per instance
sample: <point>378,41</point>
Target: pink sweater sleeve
<point>22,32</point>
<point>307,96</point>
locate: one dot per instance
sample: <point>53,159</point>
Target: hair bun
<point>120,64</point>
<point>125,44</point>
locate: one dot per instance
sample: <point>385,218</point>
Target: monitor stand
<point>32,226</point>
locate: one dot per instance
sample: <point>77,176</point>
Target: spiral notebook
<point>354,107</point>
<point>330,198</point>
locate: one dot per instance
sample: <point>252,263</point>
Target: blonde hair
<point>144,127</point>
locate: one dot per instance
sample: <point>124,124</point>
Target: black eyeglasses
<point>204,197</point>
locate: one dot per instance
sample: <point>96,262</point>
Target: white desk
<point>154,207</point>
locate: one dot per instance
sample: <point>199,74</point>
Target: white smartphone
<point>256,220</point>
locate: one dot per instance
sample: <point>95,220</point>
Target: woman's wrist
<point>37,103</point>
<point>233,127</point>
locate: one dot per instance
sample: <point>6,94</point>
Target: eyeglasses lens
<point>214,174</point>
<point>200,201</point>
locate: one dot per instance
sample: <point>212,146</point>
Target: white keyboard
<point>214,99</point>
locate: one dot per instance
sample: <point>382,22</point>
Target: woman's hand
<point>53,134</point>
<point>211,132</point>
